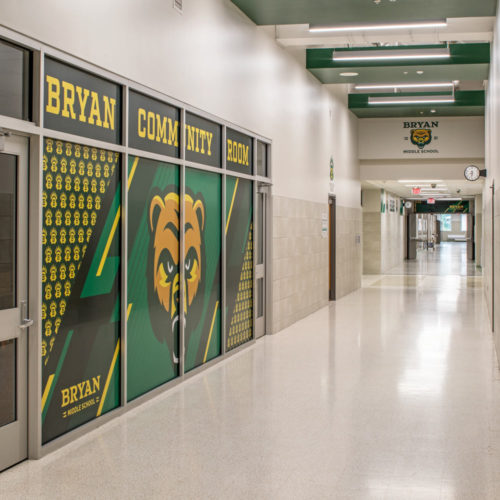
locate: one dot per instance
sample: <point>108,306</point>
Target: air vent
<point>178,6</point>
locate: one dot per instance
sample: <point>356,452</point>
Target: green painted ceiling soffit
<point>461,53</point>
<point>396,74</point>
<point>409,112</point>
<point>462,98</point>
<point>335,12</point>
<point>468,61</point>
<point>467,103</point>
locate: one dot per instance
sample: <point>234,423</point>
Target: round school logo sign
<point>421,134</point>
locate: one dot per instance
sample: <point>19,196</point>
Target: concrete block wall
<point>301,257</point>
<point>383,233</point>
<point>349,259</point>
<point>392,236</point>
<point>300,260</point>
<point>371,242</point>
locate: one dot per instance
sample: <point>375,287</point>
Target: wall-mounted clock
<point>472,173</point>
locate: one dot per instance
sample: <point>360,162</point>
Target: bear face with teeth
<point>163,265</point>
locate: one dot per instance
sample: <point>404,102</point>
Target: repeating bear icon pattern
<point>241,328</point>
<point>76,179</point>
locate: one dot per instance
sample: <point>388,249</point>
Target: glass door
<point>260,264</point>
<point>13,300</point>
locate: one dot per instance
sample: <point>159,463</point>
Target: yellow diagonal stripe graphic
<point>108,380</point>
<point>108,243</point>
<point>129,308</point>
<point>47,390</point>
<point>211,330</point>
<point>232,204</point>
<point>132,172</point>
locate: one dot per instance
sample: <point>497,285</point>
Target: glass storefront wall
<point>167,191</point>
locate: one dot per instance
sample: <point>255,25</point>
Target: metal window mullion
<point>124,253</point>
<point>268,250</point>
<point>268,161</point>
<point>182,189</point>
<point>255,235</point>
<point>223,247</point>
<point>84,141</point>
<point>35,181</point>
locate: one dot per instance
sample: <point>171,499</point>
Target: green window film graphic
<point>202,261</point>
<point>239,261</point>
<point>80,285</point>
<point>153,275</point>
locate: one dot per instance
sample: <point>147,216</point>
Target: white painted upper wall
<point>214,58</point>
<point>413,169</point>
<point>447,137</point>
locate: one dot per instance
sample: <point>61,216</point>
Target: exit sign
<point>431,201</point>
<point>415,190</point>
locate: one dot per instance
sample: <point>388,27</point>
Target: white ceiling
<point>466,29</point>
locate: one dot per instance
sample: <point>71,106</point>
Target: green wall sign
<point>443,207</point>
<point>80,103</point>
<point>153,125</point>
<point>239,152</point>
<point>203,141</point>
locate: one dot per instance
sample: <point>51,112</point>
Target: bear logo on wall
<point>421,137</point>
<point>163,275</point>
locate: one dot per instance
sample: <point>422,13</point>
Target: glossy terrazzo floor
<point>392,392</point>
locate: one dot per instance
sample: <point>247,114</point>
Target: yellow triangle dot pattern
<point>241,327</point>
<point>76,179</point>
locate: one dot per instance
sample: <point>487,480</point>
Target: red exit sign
<point>415,190</point>
<point>431,201</point>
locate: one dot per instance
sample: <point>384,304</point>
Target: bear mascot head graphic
<point>421,137</point>
<point>163,276</point>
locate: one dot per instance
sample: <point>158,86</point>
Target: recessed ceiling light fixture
<point>404,86</point>
<point>377,27</point>
<point>382,101</point>
<point>390,55</point>
<point>349,73</point>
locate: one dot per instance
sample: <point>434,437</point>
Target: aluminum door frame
<point>14,436</point>
<point>261,269</point>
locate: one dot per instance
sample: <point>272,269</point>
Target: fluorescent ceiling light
<point>403,86</point>
<point>388,55</point>
<point>441,198</point>
<point>425,185</point>
<point>349,73</point>
<point>419,180</point>
<point>411,100</point>
<point>375,27</point>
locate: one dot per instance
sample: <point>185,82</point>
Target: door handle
<point>25,322</point>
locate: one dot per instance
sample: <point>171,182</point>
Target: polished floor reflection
<point>391,392</point>
<point>448,258</point>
